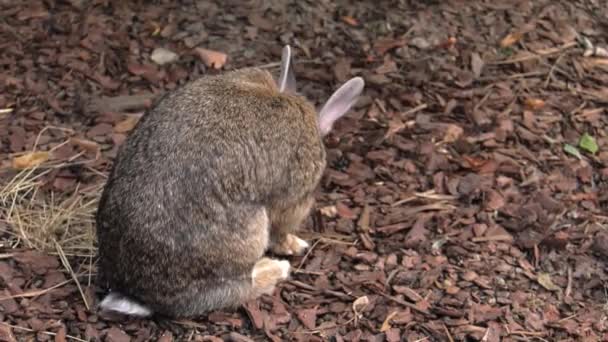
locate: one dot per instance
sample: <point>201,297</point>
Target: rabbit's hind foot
<point>267,273</point>
<point>290,245</point>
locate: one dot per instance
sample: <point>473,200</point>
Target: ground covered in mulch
<point>466,195</point>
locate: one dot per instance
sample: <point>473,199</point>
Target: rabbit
<point>217,173</point>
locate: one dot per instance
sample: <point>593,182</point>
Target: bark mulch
<point>466,195</point>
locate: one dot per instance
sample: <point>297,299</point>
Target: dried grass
<point>41,219</point>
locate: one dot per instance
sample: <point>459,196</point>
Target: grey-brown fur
<point>217,173</point>
<point>187,182</point>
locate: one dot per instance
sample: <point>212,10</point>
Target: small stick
<point>42,332</point>
<point>569,286</point>
<point>537,55</point>
<point>492,238</point>
<point>35,293</point>
<point>404,303</point>
<point>124,103</point>
<point>66,264</point>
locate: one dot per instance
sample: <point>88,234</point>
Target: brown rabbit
<point>217,173</point>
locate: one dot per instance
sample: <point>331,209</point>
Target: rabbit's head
<point>339,102</point>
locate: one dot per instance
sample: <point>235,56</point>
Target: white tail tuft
<point>118,303</point>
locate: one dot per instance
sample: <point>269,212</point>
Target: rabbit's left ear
<point>287,78</point>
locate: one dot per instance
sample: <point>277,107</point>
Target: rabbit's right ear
<point>287,79</point>
<point>339,103</point>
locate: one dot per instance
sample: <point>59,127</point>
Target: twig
<point>404,303</point>
<point>123,103</point>
<point>307,254</point>
<point>569,286</point>
<point>447,332</point>
<point>492,238</point>
<point>415,110</point>
<point>66,264</point>
<point>538,54</point>
<point>35,293</point>
<point>41,332</point>
<point>6,256</point>
<point>553,68</point>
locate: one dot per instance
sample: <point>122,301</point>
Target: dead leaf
<point>534,104</point>
<point>544,279</point>
<point>30,160</point>
<point>126,125</point>
<point>386,325</point>
<point>329,211</point>
<point>350,20</point>
<point>394,126</point>
<point>86,144</point>
<point>359,304</point>
<point>211,58</point>
<point>383,45</point>
<point>511,39</point>
<point>452,133</point>
<point>477,64</point>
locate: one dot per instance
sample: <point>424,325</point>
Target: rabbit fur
<point>213,176</point>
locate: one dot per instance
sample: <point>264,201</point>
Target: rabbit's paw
<point>290,245</point>
<point>268,272</point>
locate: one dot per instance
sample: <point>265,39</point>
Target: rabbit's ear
<point>287,79</point>
<point>339,103</point>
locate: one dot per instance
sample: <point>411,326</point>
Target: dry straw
<point>40,219</point>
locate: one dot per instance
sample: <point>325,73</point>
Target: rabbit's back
<point>191,175</point>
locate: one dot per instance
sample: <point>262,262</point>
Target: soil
<point>465,197</point>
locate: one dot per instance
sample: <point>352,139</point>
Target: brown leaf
<point>212,59</point>
<point>126,125</point>
<point>383,45</point>
<point>88,145</point>
<point>329,211</point>
<point>534,104</point>
<point>386,325</point>
<point>31,160</point>
<point>452,133</point>
<point>394,126</point>
<point>350,20</point>
<point>360,304</point>
<point>511,39</point>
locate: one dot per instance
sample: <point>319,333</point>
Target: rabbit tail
<point>119,303</point>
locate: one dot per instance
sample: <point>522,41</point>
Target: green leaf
<point>588,144</point>
<point>572,150</point>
